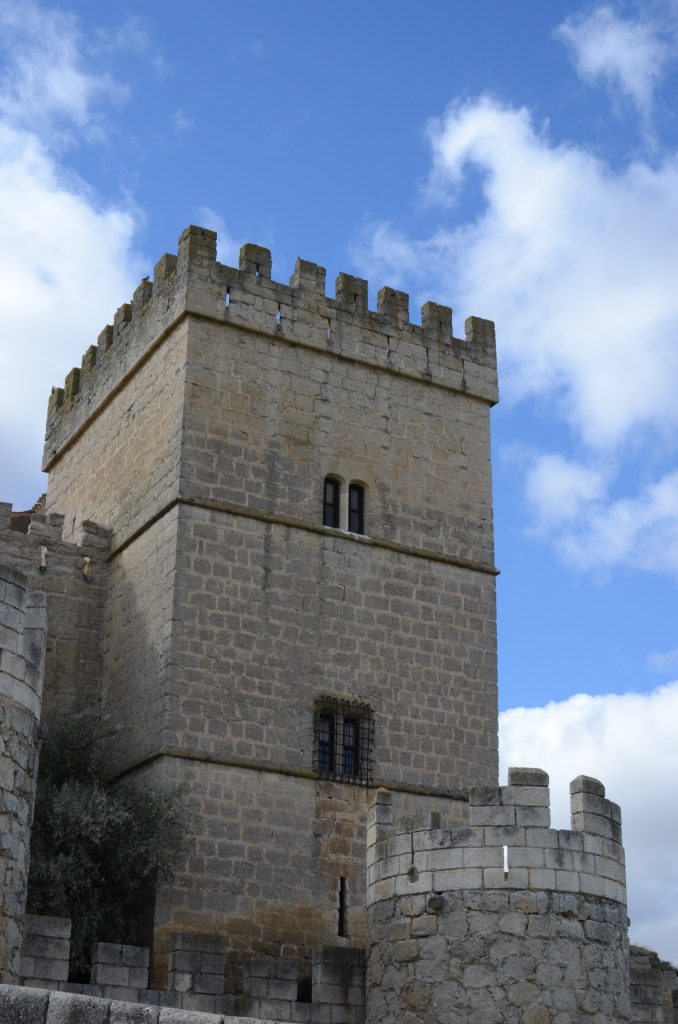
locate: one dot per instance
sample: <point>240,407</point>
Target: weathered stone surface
<point>512,946</point>
<point>23,628</point>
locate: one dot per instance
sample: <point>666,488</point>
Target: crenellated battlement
<point>74,577</point>
<point>508,845</point>
<point>193,283</point>
<point>505,919</point>
<point>47,530</point>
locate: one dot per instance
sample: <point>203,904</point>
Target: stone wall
<point>123,468</point>
<point>332,992</point>
<point>45,950</point>
<point>267,419</point>
<point>23,627</point>
<point>505,921</point>
<point>265,871</point>
<point>273,617</point>
<point>654,988</point>
<point>140,693</point>
<point>74,579</point>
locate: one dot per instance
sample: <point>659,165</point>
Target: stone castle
<point>265,555</point>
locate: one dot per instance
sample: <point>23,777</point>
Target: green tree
<point>98,850</point>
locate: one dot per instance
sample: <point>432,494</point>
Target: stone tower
<point>301,600</point>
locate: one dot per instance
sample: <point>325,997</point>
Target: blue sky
<point>516,160</point>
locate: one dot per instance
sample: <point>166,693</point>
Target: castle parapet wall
<point>298,313</point>
<point>505,920</point>
<point>74,579</point>
<point>23,628</point>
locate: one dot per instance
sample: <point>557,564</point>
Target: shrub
<point>97,850</point>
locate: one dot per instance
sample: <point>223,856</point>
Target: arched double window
<point>349,516</point>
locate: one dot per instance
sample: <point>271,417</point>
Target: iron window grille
<point>344,736</point>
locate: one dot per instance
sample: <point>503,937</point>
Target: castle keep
<point>266,555</point>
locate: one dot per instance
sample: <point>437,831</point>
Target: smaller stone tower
<point>23,628</point>
<point>506,921</point>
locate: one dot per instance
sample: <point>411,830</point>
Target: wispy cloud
<point>571,506</point>
<point>663,661</point>
<point>628,55</point>
<point>181,122</point>
<point>45,86</point>
<point>628,743</point>
<point>575,260</point>
<point>559,489</point>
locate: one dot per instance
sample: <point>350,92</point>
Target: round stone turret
<point>507,920</point>
<point>23,626</point>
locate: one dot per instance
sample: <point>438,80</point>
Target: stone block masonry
<point>506,920</point>
<point>23,628</point>
<point>119,966</point>
<point>74,577</point>
<point>45,950</point>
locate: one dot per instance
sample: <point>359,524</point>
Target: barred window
<point>326,742</point>
<point>344,733</point>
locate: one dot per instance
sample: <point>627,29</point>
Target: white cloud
<point>628,55</point>
<point>575,260</point>
<point>558,489</point>
<point>628,743</point>
<point>66,261</point>
<point>571,507</point>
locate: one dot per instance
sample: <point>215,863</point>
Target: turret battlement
<point>193,283</point>
<point>508,845</point>
<point>507,913</point>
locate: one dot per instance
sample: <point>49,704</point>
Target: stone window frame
<point>343,740</point>
<point>356,507</point>
<point>332,504</point>
<point>344,507</point>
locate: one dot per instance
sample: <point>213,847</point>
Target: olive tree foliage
<point>98,849</point>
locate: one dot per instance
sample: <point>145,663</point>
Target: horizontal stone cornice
<point>242,511</point>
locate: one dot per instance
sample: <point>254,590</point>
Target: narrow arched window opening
<point>331,502</point>
<point>356,508</point>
